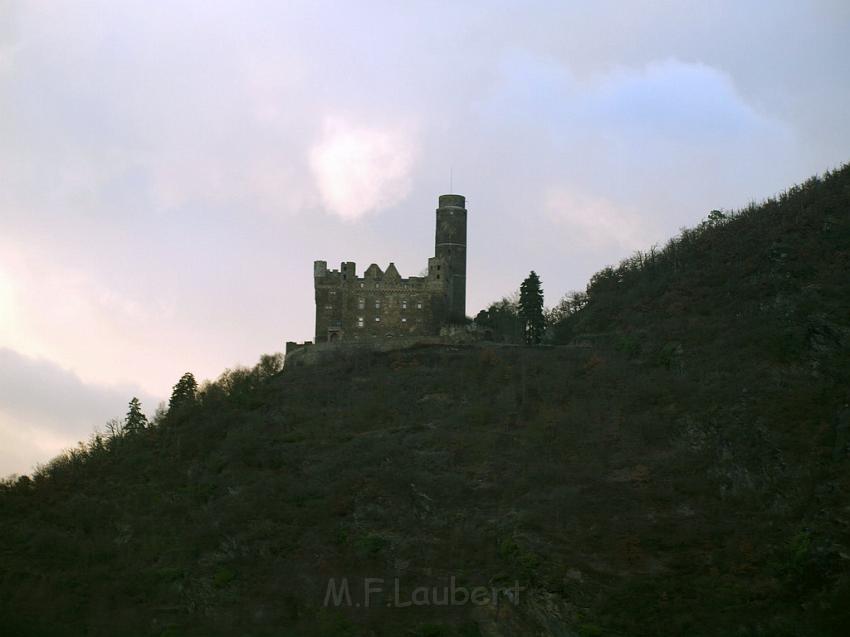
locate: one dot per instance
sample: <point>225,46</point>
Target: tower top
<point>457,201</point>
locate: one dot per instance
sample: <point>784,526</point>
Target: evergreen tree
<point>135,420</point>
<point>184,391</point>
<point>531,309</point>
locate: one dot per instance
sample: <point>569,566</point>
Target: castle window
<point>361,304</point>
<point>377,285</point>
<point>404,305</point>
<point>438,267</point>
<point>438,276</point>
<point>419,305</point>
<point>329,307</point>
<point>359,321</point>
<point>361,285</point>
<point>377,319</point>
<point>404,319</point>
<point>377,304</point>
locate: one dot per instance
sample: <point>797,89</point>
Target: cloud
<point>595,222</point>
<point>25,444</point>
<point>663,101</point>
<point>674,99</point>
<point>44,408</point>
<point>630,154</point>
<point>161,168</point>
<point>52,309</point>
<point>359,170</point>
<point>7,303</point>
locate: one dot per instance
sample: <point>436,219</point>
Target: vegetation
<point>184,391</point>
<point>501,321</point>
<point>531,309</point>
<point>136,420</point>
<point>677,466</point>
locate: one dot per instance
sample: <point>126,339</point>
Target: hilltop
<point>675,463</point>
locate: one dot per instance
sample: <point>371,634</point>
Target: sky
<point>169,171</point>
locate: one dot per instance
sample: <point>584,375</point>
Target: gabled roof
<point>373,272</point>
<point>392,273</point>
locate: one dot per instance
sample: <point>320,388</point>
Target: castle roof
<point>392,273</point>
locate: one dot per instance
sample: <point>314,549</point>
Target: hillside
<point>678,463</point>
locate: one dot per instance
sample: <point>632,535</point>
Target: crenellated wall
<point>382,304</point>
<point>376,305</point>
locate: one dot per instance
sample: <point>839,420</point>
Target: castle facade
<point>382,304</point>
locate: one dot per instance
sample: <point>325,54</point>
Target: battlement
<point>382,303</point>
<point>346,275</point>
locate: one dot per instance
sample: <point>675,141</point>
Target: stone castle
<point>382,304</point>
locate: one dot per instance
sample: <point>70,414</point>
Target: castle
<point>382,304</point>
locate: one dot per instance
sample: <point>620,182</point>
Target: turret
<point>348,270</point>
<point>450,246</point>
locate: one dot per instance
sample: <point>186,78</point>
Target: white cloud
<point>359,170</point>
<point>595,222</point>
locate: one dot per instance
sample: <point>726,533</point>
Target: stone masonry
<point>382,304</point>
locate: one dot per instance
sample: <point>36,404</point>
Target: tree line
<point>522,317</point>
<point>186,395</point>
<point>519,318</point>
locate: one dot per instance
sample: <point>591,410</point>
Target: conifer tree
<point>531,309</point>
<point>184,391</point>
<point>135,420</point>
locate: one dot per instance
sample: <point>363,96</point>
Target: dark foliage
<point>184,392</point>
<point>531,309</point>
<point>501,322</point>
<point>679,466</point>
<point>136,420</point>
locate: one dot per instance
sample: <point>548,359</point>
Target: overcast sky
<point>170,170</point>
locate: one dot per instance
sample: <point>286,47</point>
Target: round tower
<point>450,246</point>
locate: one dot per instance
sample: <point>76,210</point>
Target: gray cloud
<point>43,405</point>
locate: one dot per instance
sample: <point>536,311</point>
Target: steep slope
<point>768,280</point>
<point>679,466</point>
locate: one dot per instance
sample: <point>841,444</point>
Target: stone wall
<point>303,354</point>
<point>378,305</point>
<point>382,304</point>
